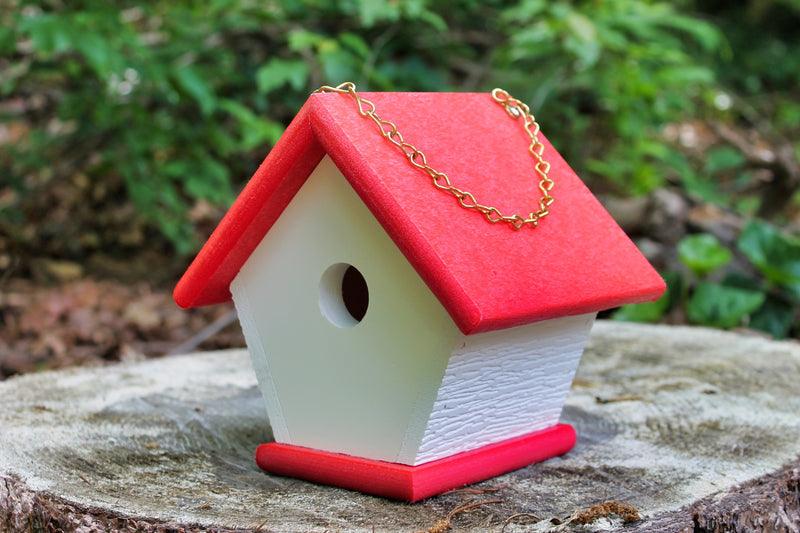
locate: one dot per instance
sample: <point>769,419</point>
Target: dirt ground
<point>88,322</point>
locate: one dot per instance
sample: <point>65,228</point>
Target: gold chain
<point>514,108</point>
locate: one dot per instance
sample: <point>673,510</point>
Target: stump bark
<point>691,429</point>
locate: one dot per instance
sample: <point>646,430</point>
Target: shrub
<point>180,101</point>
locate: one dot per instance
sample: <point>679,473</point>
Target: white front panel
<point>364,389</point>
<point>504,384</point>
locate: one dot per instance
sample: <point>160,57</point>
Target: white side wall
<point>503,384</point>
<point>365,390</point>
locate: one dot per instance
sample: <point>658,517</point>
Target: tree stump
<point>688,429</point>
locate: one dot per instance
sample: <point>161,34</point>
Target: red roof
<point>487,276</point>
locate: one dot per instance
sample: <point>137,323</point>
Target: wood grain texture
<point>503,384</point>
<point>698,430</point>
<point>770,504</point>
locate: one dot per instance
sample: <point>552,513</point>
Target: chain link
<point>466,199</point>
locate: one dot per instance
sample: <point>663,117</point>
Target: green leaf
<point>787,115</point>
<point>774,317</point>
<point>643,312</point>
<point>103,59</point>
<point>278,72</point>
<point>653,311</point>
<point>741,280</point>
<point>434,20</point>
<point>303,40</point>
<point>49,33</point>
<point>702,253</point>
<point>525,11</point>
<point>356,43</point>
<point>792,289</point>
<point>583,38</point>
<point>720,306</point>
<point>704,33</point>
<point>582,26</point>
<point>372,11</point>
<point>687,74</point>
<point>188,79</point>
<point>211,181</point>
<point>8,40</point>
<point>722,159</point>
<point>776,255</point>
<point>255,130</point>
<point>339,64</point>
<point>203,177</point>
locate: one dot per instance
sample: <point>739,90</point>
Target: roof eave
<point>261,202</point>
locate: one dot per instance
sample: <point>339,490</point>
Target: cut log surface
<point>694,429</point>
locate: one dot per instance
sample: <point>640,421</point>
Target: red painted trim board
<point>414,483</point>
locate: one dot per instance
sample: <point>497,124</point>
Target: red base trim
<point>413,483</point>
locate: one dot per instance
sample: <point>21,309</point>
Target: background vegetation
<point>126,128</point>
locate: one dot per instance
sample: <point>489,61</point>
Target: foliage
<point>766,301</point>
<point>135,93</point>
<point>621,67</point>
<point>646,311</point>
<point>720,306</point>
<point>756,90</point>
<point>181,100</point>
<point>702,253</point>
<point>170,105</point>
<point>776,255</point>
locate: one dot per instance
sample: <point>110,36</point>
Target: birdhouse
<point>407,337</point>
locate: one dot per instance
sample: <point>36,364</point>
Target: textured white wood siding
<point>503,384</point>
<point>365,390</point>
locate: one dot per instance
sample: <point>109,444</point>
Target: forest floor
<point>84,321</point>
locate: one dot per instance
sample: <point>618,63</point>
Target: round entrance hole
<point>343,295</point>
